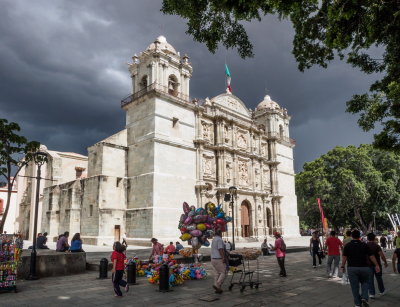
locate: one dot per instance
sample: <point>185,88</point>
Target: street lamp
<point>39,158</point>
<point>233,194</point>
<point>373,214</point>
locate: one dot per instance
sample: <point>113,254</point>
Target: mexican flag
<point>228,78</point>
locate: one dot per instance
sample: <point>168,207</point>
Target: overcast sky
<point>63,73</point>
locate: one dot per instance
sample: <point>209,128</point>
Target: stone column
<point>55,214</point>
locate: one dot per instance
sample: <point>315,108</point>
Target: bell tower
<point>161,66</point>
<point>160,124</point>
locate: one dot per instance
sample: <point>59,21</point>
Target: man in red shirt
<point>334,245</point>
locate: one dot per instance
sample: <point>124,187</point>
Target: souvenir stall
<point>10,253</point>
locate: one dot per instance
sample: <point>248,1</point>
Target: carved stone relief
<point>207,131</point>
<point>243,173</point>
<point>265,179</point>
<point>264,150</point>
<point>226,134</point>
<point>242,143</point>
<point>208,166</point>
<point>257,177</point>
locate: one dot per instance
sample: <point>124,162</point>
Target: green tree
<point>324,29</point>
<point>352,183</point>
<point>15,153</point>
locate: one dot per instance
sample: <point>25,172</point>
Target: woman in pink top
<point>157,250</point>
<point>280,252</point>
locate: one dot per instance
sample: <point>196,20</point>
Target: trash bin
<point>164,278</point>
<point>131,273</point>
<point>103,268</point>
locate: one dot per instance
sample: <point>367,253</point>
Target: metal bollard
<point>131,273</point>
<point>164,278</point>
<point>103,268</point>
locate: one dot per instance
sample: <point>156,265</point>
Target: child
<point>117,258</point>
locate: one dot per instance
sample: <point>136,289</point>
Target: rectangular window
<point>91,210</point>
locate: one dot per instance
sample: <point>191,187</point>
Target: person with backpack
<point>280,252</point>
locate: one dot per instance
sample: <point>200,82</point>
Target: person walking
<point>76,244</point>
<point>315,247</point>
<point>396,257</point>
<point>389,241</point>
<point>280,252</point>
<point>117,259</point>
<point>383,241</point>
<point>334,246</point>
<point>218,261</point>
<point>396,240</point>
<point>377,252</point>
<point>347,237</point>
<point>357,253</point>
<point>124,240</point>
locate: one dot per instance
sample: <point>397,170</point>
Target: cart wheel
<point>230,287</point>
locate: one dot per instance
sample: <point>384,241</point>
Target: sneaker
<point>382,293</point>
<point>126,288</point>
<point>364,303</point>
<point>372,296</point>
<point>314,266</point>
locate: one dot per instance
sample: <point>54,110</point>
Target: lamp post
<point>39,158</point>
<point>233,194</point>
<point>373,214</point>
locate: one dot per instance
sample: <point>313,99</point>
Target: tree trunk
<point>9,189</point>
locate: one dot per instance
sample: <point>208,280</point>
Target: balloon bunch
<point>198,225</point>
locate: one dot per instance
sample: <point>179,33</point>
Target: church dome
<point>162,44</point>
<point>267,103</point>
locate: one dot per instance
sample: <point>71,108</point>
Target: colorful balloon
<point>185,237</point>
<point>183,218</point>
<point>186,207</point>
<point>188,220</point>
<point>196,233</point>
<point>191,227</point>
<point>220,215</point>
<point>206,243</point>
<point>201,227</point>
<point>200,218</point>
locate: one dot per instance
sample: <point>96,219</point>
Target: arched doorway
<point>245,218</point>
<point>269,221</point>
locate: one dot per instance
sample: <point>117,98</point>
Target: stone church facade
<point>176,149</point>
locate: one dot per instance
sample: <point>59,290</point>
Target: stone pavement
<point>304,286</point>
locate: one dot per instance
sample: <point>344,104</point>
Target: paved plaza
<point>304,286</point>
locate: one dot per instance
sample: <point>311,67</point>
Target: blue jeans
<point>357,276</point>
<point>379,280</point>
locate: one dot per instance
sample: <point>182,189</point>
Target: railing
<point>157,88</point>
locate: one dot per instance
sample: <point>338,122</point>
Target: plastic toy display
<point>178,272</point>
<point>198,225</point>
<point>10,252</point>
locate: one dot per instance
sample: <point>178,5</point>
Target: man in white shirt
<point>228,245</point>
<point>218,261</point>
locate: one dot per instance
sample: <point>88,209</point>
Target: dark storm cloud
<point>63,72</point>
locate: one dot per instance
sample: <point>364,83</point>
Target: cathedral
<point>173,149</point>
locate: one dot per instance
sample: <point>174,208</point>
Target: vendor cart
<point>245,278</point>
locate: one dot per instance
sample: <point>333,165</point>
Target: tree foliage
<point>352,183</point>
<point>349,29</point>
<point>15,152</point>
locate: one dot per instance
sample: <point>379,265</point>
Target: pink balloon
<point>196,233</point>
<point>208,226</point>
<point>220,222</point>
<point>188,220</point>
<point>186,207</point>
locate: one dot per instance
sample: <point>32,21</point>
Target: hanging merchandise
<point>198,225</point>
<point>10,253</point>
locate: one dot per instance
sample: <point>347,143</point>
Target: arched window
<point>173,85</point>
<point>143,83</point>
<point>281,131</point>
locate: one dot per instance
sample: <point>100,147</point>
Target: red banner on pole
<point>321,211</point>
